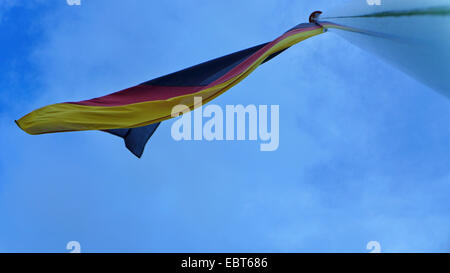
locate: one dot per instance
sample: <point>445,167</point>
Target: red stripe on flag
<point>140,93</point>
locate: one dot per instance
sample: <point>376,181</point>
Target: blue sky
<point>363,154</point>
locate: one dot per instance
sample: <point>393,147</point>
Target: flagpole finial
<point>314,16</point>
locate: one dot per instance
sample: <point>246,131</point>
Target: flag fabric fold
<point>141,108</point>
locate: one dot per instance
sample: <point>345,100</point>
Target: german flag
<point>135,113</point>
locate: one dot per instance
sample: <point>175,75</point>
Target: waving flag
<point>135,113</point>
